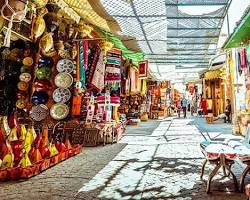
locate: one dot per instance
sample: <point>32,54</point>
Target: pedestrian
<point>204,106</point>
<point>184,104</point>
<point>228,111</point>
<point>178,108</point>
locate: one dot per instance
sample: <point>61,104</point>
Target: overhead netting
<point>171,32</point>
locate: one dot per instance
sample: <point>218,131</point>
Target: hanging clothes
<point>98,77</point>
<point>85,53</point>
<point>243,58</point>
<point>81,64</point>
<point>113,68</point>
<point>238,65</point>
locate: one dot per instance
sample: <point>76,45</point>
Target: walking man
<point>184,103</point>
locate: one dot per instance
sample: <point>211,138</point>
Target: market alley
<point>155,160</point>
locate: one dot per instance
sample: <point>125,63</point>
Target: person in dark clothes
<point>228,111</point>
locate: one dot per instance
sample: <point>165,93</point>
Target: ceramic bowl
<point>39,97</point>
<point>63,80</point>
<point>61,95</point>
<point>59,111</point>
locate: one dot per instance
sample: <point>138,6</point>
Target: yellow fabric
<point>231,66</point>
<point>84,9</point>
<point>144,87</point>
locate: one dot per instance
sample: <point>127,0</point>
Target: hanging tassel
<point>8,33</point>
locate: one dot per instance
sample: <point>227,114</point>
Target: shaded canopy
<point>171,32</point>
<point>241,33</point>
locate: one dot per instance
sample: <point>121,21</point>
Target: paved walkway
<point>155,160</point>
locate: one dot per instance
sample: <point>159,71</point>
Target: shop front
<point>62,81</point>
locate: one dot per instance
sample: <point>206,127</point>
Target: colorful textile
<point>113,67</point>
<point>98,77</point>
<point>93,62</point>
<point>85,53</point>
<point>82,61</point>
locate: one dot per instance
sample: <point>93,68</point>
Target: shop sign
<point>143,69</point>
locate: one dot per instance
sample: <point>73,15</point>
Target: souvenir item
<point>39,112</point>
<point>39,26</point>
<point>65,65</point>
<point>63,80</point>
<point>42,85</point>
<point>21,94</point>
<point>61,95</point>
<point>40,3</point>
<point>26,77</point>
<point>45,62</point>
<point>43,73</point>
<point>28,61</point>
<point>59,111</point>
<point>21,104</point>
<point>39,97</point>
<point>13,11</point>
<point>46,42</point>
<point>98,77</point>
<point>25,69</point>
<point>76,105</point>
<point>6,127</point>
<point>23,86</point>
<point>90,114</point>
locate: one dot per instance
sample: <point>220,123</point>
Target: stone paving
<point>155,160</point>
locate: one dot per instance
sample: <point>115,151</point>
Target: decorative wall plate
<point>59,111</point>
<point>61,95</point>
<point>23,86</point>
<point>63,80</point>
<point>26,77</point>
<point>20,104</point>
<point>28,61</point>
<point>65,65</point>
<point>39,112</point>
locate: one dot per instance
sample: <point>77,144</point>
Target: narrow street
<point>155,160</point>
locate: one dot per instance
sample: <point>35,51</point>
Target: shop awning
<point>241,34</point>
<point>87,11</point>
<point>136,57</point>
<point>215,74</point>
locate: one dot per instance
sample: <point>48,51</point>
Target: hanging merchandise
<point>243,58</point>
<point>113,66</point>
<point>85,53</point>
<point>107,106</point>
<point>98,77</point>
<point>90,111</point>
<point>13,11</point>
<point>94,56</point>
<point>82,64</point>
<point>143,69</point>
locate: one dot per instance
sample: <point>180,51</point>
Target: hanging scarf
<point>91,70</point>
<point>98,77</point>
<point>82,61</point>
<point>85,53</point>
<point>238,63</point>
<point>113,68</point>
<point>243,58</point>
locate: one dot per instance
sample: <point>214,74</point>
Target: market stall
<point>238,56</point>
<point>61,83</point>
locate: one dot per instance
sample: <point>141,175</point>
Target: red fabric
<point>204,105</point>
<point>243,59</point>
<point>85,50</point>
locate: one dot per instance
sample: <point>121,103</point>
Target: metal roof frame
<point>165,33</point>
